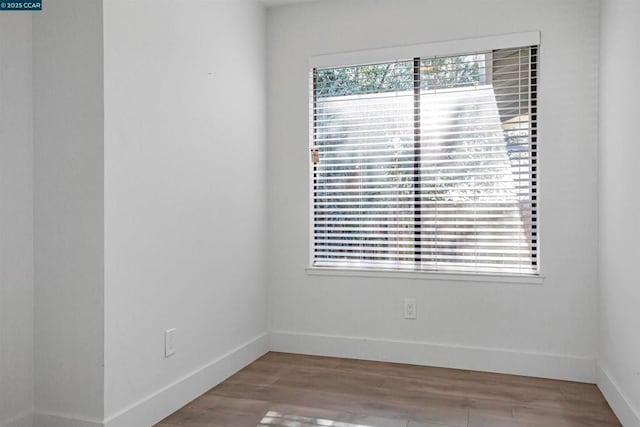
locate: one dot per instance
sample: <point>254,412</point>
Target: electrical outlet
<point>410,308</point>
<point>170,342</point>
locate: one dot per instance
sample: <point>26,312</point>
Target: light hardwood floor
<point>290,390</point>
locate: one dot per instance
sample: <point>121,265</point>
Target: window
<point>427,163</point>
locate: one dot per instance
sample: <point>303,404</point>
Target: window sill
<point>415,275</point>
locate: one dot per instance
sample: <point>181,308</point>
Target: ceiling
<point>275,3</point>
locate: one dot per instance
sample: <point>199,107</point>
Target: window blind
<point>427,164</point>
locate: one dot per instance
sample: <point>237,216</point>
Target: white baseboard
<point>555,366</point>
<point>162,403</point>
<point>24,419</point>
<point>624,410</point>
<point>51,419</point>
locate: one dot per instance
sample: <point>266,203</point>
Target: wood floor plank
<point>283,389</point>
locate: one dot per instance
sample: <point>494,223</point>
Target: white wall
<point>619,195</point>
<point>68,191</point>
<point>185,190</point>
<point>498,326</point>
<point>184,133</point>
<point>16,220</point>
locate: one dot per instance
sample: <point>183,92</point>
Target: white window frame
<point>389,54</point>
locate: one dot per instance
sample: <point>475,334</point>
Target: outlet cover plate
<point>410,308</point>
<point>170,342</point>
